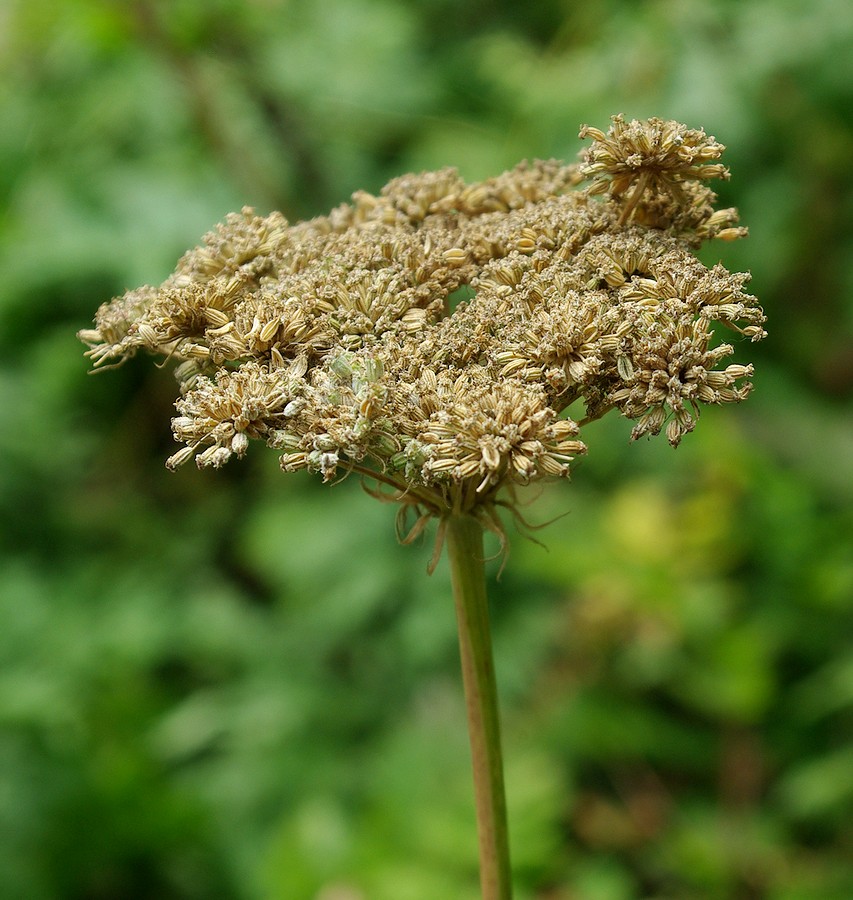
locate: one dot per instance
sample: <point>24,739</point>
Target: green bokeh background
<point>235,684</point>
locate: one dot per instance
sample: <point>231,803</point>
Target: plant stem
<point>634,199</point>
<point>465,550</point>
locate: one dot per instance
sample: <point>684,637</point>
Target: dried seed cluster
<point>336,340</point>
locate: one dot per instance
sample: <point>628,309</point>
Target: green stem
<point>465,550</point>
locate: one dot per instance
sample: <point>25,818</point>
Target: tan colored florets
<point>242,247</point>
<point>219,417</point>
<point>108,341</point>
<point>655,155</point>
<point>487,432</point>
<point>432,336</point>
<point>670,370</point>
<point>342,417</point>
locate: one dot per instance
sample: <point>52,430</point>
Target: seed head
<point>652,155</point>
<point>431,337</point>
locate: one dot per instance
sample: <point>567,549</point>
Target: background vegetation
<point>235,684</point>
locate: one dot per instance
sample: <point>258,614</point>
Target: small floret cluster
<point>342,341</point>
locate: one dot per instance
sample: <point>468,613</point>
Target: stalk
<point>634,199</point>
<point>465,549</point>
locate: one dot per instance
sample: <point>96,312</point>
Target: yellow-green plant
<point>336,342</point>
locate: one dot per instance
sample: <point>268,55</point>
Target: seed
<point>269,330</point>
<point>455,256</point>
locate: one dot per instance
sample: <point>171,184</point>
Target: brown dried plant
<point>337,343</point>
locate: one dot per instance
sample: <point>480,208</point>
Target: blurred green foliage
<point>235,684</point>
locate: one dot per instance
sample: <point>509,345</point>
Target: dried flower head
<point>655,155</point>
<point>341,342</point>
